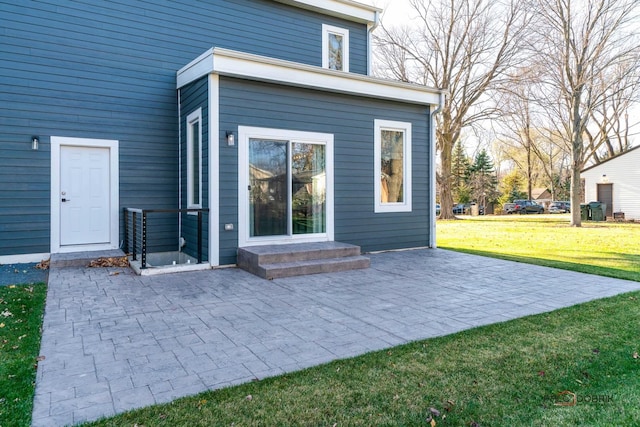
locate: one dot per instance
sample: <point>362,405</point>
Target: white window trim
<point>195,116</point>
<point>244,134</point>
<point>405,128</point>
<point>330,29</point>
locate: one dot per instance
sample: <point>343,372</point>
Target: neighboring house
<point>541,196</point>
<point>262,111</point>
<point>615,182</point>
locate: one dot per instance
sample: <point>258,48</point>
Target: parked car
<point>509,208</point>
<point>528,206</point>
<point>558,207</point>
<point>465,209</point>
<point>460,209</point>
<point>437,209</point>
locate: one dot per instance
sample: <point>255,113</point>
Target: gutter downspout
<point>370,28</point>
<point>432,172</point>
<point>179,170</point>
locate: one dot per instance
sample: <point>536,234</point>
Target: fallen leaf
<point>43,265</point>
<point>578,381</point>
<point>110,262</point>
<point>435,412</point>
<point>429,418</point>
<point>1,325</point>
<point>22,336</point>
<point>433,423</point>
<point>40,358</point>
<point>115,273</point>
<point>249,398</point>
<point>635,354</point>
<point>11,286</point>
<point>6,313</point>
<point>541,373</point>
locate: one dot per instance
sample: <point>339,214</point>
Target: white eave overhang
<point>345,9</point>
<point>242,65</point>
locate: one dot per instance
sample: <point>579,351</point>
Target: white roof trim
<point>242,65</point>
<point>346,9</point>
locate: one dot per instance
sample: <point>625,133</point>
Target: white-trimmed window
<point>335,48</point>
<point>392,168</point>
<point>194,159</point>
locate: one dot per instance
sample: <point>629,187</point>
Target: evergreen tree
<point>483,180</point>
<point>460,170</point>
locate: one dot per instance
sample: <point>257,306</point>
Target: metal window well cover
<point>168,262</point>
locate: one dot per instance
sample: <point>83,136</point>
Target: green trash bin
<point>598,210</point>
<point>584,212</point>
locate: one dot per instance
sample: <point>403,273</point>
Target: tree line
<point>553,82</point>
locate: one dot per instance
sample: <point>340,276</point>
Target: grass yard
<point>526,372</point>
<point>21,310</point>
<point>507,374</point>
<point>518,373</point>
<point>608,248</point>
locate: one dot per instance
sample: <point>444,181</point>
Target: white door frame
<point>114,192</point>
<point>247,132</point>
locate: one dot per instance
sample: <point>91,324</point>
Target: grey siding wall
<point>351,120</point>
<point>192,97</point>
<point>106,69</point>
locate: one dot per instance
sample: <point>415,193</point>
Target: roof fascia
<point>248,66</point>
<point>345,9</point>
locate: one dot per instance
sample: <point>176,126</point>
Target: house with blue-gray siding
<point>262,114</point>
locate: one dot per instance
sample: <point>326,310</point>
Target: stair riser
<point>333,267</point>
<point>308,255</point>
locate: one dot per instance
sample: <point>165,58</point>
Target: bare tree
<point>580,42</point>
<point>608,132</point>
<point>465,46</point>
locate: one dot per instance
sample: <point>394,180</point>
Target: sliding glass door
<point>287,187</point>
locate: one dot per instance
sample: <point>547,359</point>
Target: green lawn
<point>508,374</point>
<point>608,249</point>
<point>21,310</point>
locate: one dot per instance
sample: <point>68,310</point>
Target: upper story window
<point>194,159</point>
<point>335,48</point>
<point>392,157</point>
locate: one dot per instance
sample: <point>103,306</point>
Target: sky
<point>395,11</point>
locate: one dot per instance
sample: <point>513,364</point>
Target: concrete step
<point>311,266</point>
<point>82,259</point>
<point>276,261</point>
<point>270,254</point>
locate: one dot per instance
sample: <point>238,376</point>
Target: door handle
<point>65,200</point>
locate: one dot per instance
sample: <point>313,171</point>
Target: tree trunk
<point>446,196</point>
<point>576,158</point>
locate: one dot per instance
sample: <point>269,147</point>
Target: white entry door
<point>84,195</point>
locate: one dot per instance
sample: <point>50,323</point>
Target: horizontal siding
<point>351,120</point>
<point>107,69</point>
<point>624,173</point>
